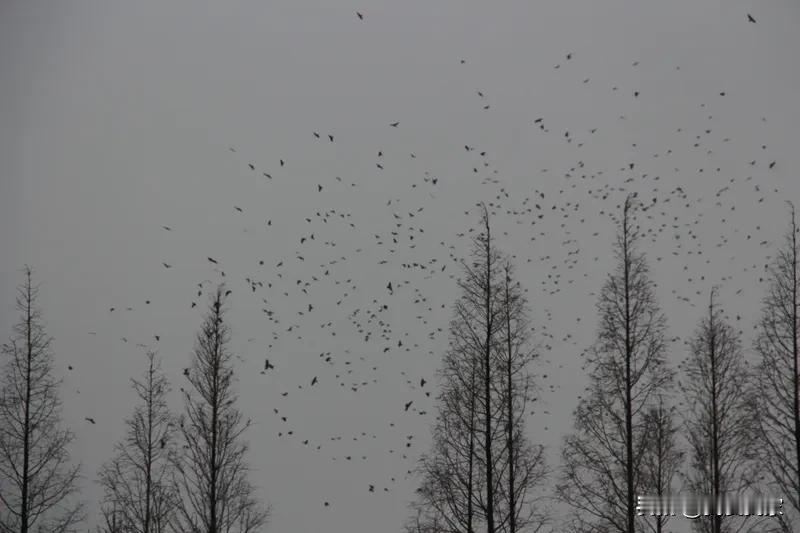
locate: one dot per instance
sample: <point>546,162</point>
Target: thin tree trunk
<point>512,502</point>
<point>149,476</point>
<point>214,419</point>
<point>796,370</point>
<point>628,385</point>
<point>26,453</point>
<point>716,519</point>
<point>470,483</point>
<point>487,382</point>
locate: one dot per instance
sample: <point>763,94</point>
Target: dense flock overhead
<point>329,280</point>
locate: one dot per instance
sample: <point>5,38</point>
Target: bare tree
<point>481,471</point>
<point>38,486</point>
<point>602,458</point>
<point>462,475</point>
<point>662,458</point>
<point>483,288</point>
<point>777,405</point>
<point>139,493</point>
<point>716,391</point>
<point>525,465</point>
<point>215,496</point>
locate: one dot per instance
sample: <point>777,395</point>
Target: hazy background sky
<point>117,118</point>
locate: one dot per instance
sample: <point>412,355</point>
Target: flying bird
<point>750,18</point>
<point>90,420</point>
<point>394,124</point>
<point>268,365</point>
<point>360,17</point>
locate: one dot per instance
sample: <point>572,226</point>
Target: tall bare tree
<point>525,466</point>
<point>481,471</point>
<point>215,495</point>
<point>38,485</point>
<point>485,320</point>
<point>602,459</point>
<point>138,482</point>
<point>716,390</point>
<point>662,457</point>
<point>777,404</point>
<point>450,475</point>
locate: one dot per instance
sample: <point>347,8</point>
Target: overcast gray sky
<point>117,118</point>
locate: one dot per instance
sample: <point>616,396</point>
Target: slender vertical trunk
<point>628,356</point>
<point>512,503</point>
<point>470,494</point>
<point>795,373</point>
<point>149,459</point>
<point>487,381</point>
<point>26,428</point>
<point>716,519</point>
<point>214,419</point>
<point>661,456</point>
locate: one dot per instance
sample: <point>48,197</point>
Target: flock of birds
<point>311,291</point>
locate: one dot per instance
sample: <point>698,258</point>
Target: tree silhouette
<point>481,470</point>
<point>776,411</point>
<point>602,460</point>
<point>38,486</point>
<point>215,495</point>
<point>525,465</point>
<point>138,482</point>
<point>716,391</point>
